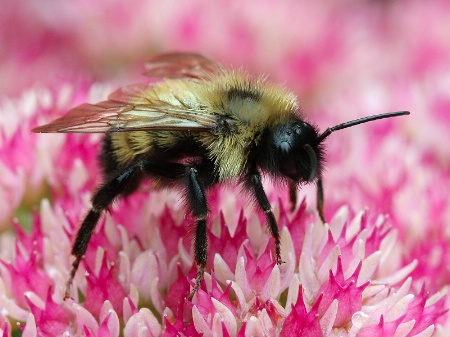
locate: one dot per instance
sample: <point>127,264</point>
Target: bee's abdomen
<point>112,165</point>
<point>120,149</point>
<point>107,159</point>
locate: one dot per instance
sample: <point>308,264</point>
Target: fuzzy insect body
<point>202,125</point>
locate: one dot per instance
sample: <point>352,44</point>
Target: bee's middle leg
<point>197,203</point>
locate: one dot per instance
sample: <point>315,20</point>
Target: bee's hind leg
<point>169,172</point>
<point>100,201</point>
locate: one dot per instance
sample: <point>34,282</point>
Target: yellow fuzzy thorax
<point>251,104</point>
<point>266,106</point>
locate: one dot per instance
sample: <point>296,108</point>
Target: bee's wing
<point>183,65</point>
<point>128,109</point>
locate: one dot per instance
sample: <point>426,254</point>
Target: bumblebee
<point>201,125</point>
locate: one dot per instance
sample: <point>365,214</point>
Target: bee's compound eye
<point>299,128</point>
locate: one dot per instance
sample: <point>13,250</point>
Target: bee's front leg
<point>293,195</point>
<point>263,202</point>
<point>320,201</point>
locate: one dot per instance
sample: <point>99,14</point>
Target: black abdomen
<point>111,167</point>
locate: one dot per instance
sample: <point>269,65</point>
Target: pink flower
<point>379,268</point>
<point>333,280</point>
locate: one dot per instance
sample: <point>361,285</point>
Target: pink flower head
<point>138,269</point>
<point>334,278</point>
<point>382,271</point>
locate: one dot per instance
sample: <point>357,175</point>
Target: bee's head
<point>293,150</point>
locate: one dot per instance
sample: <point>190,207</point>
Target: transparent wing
<point>131,109</point>
<point>183,65</point>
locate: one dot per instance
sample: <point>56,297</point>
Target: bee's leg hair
<point>320,201</point>
<point>263,202</point>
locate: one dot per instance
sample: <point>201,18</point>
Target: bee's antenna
<point>328,131</point>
